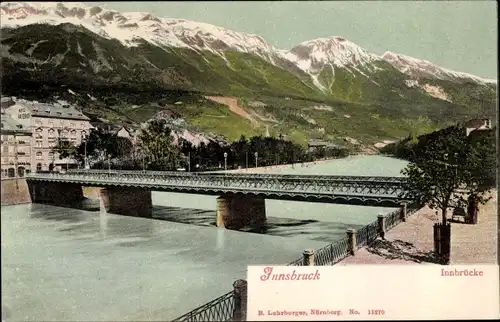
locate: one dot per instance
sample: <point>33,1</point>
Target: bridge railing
<point>378,179</point>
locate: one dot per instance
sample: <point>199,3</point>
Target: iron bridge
<point>362,190</point>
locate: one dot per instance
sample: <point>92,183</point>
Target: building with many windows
<point>16,148</point>
<point>47,124</point>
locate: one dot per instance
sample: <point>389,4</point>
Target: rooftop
<point>10,125</point>
<point>47,110</point>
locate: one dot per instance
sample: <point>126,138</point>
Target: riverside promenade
<point>282,167</point>
<point>411,242</point>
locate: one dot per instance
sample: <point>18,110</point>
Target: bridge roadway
<point>358,190</point>
<point>241,196</point>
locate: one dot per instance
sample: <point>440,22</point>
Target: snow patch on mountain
<point>432,90</point>
<point>419,68</point>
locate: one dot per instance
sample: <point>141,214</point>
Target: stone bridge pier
<point>238,211</point>
<point>127,201</point>
<point>57,193</point>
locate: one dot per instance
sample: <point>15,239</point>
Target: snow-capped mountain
<point>419,68</point>
<point>310,57</point>
<point>129,28</point>
<point>314,56</point>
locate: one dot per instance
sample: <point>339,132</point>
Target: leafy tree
<point>480,166</point>
<point>444,162</point>
<point>64,148</point>
<point>156,141</point>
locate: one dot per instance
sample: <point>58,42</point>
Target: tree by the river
<point>157,145</point>
<point>445,167</point>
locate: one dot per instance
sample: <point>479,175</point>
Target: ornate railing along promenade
<point>227,307</point>
<point>370,190</point>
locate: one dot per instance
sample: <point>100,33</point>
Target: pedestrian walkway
<point>412,242</point>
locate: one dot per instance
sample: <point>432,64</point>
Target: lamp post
<point>189,161</point>
<point>16,163</point>
<point>225,161</point>
<point>86,166</point>
<point>109,164</point>
<point>256,159</point>
<point>143,165</point>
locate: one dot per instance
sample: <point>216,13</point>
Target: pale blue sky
<point>460,35</point>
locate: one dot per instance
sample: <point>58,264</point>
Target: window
<point>73,133</point>
<point>20,171</point>
<point>51,155</point>
<point>39,143</point>
<point>21,142</point>
<point>21,153</point>
<point>5,149</point>
<point>11,172</point>
<point>52,132</point>
<point>39,155</point>
<point>84,134</point>
<point>39,167</point>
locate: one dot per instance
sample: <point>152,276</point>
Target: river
<point>75,265</point>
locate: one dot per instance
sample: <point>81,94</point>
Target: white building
<point>47,123</point>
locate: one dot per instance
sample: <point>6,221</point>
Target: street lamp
<point>225,161</point>
<point>86,166</point>
<point>16,163</point>
<point>109,163</point>
<point>256,158</point>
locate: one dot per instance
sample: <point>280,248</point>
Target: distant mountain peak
<point>314,54</point>
<point>418,68</point>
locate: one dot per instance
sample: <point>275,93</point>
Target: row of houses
<point>31,130</point>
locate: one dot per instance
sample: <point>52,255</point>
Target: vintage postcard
<point>248,161</point>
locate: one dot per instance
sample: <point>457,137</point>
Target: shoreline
<point>287,166</point>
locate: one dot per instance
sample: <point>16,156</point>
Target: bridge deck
<point>272,186</point>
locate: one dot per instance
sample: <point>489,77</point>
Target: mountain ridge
<point>129,27</point>
<point>46,52</point>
